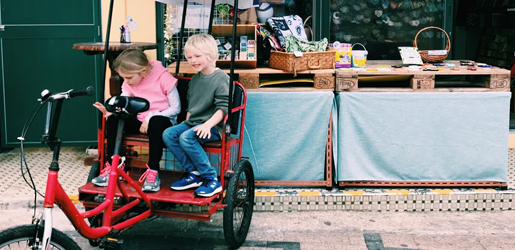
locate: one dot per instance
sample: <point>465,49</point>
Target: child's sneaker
<point>209,188</point>
<point>152,181</point>
<point>103,179</point>
<point>187,182</point>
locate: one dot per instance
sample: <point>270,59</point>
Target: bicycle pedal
<point>111,244</point>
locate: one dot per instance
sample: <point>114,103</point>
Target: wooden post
<point>346,81</point>
<point>324,81</point>
<point>423,82</point>
<point>498,82</point>
<point>249,80</point>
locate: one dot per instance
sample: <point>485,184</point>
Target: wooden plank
<point>428,90</point>
<point>287,89</point>
<point>422,184</point>
<point>185,68</point>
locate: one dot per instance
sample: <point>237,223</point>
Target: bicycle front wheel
<point>24,237</point>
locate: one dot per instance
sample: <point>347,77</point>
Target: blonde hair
<point>131,61</point>
<point>204,43</point>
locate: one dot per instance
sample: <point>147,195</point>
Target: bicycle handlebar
<point>85,91</point>
<point>46,94</point>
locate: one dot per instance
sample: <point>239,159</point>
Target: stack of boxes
<point>251,55</point>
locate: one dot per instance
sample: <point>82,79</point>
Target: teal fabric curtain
<point>422,136</point>
<point>285,134</point>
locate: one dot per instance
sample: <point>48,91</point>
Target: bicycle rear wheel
<point>239,198</point>
<point>24,237</point>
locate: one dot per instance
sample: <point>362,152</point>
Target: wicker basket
<point>309,60</point>
<point>424,54</point>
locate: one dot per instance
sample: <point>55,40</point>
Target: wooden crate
<point>480,80</point>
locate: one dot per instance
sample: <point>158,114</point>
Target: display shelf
<point>225,30</point>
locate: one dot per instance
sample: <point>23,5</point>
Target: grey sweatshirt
<point>206,95</point>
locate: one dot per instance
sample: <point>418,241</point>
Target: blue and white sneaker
<point>190,181</point>
<point>209,188</point>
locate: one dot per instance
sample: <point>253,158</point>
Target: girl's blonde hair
<point>204,43</point>
<point>131,61</point>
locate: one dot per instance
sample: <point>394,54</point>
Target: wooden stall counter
<point>323,80</point>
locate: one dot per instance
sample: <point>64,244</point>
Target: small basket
<point>424,54</point>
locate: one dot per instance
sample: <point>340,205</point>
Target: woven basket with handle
<point>310,60</point>
<point>424,54</point>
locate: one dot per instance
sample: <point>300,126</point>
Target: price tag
<point>131,23</point>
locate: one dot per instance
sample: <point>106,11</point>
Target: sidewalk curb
<point>371,200</point>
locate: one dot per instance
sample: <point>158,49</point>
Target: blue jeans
<point>186,146</point>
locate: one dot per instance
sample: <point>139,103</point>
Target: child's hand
<point>144,127</point>
<point>203,131</point>
<point>102,109</point>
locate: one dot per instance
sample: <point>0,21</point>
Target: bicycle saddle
<point>125,104</point>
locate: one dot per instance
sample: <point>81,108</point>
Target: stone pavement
<point>15,193</point>
<point>293,218</point>
<point>314,230</point>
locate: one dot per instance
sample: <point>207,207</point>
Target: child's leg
<point>192,146</point>
<point>156,127</point>
<point>171,140</point>
<point>132,125</point>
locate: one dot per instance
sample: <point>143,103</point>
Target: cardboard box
<point>342,57</point>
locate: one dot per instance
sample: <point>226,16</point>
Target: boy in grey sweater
<point>208,95</point>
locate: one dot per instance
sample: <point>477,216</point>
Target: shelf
<point>247,64</point>
<point>225,30</point>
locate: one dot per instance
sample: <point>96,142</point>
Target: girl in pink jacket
<point>149,80</point>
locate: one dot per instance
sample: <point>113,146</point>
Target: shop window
<point>222,15</point>
<point>383,26</point>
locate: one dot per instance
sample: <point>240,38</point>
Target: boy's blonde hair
<point>131,61</point>
<point>204,43</point>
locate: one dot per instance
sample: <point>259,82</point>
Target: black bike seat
<point>125,104</point>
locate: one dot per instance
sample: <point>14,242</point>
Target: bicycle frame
<point>55,193</point>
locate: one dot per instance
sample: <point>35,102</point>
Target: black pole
<point>231,75</point>
<point>160,27</point>
<point>106,45</point>
<point>106,48</point>
<point>179,49</point>
<point>210,27</point>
